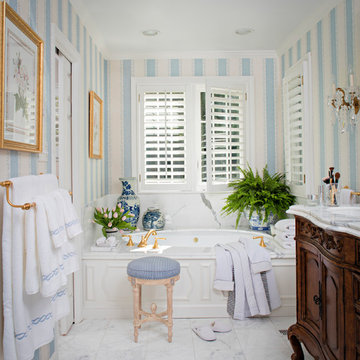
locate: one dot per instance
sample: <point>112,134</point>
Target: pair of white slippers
<point>207,333</point>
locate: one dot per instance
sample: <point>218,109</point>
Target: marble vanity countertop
<point>344,219</point>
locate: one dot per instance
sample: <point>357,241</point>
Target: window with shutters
<point>191,134</point>
<point>298,127</point>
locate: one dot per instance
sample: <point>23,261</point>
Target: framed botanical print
<point>95,126</point>
<point>21,76</point>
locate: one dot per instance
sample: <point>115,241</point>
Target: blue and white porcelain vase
<point>260,225</point>
<point>153,219</point>
<point>128,199</point>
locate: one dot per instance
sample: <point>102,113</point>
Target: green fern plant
<point>268,193</point>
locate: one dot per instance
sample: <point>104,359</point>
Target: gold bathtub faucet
<point>145,238</point>
<point>262,243</point>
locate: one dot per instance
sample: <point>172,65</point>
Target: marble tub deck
<point>251,339</point>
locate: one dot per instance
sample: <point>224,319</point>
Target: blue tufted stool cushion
<point>153,268</point>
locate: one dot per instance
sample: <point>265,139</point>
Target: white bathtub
<point>107,292</point>
<point>199,237</point>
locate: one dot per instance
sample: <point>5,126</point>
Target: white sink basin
<point>348,211</point>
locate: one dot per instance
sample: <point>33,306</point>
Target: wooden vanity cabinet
<point>328,293</point>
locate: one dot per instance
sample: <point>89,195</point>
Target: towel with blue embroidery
<point>47,266</point>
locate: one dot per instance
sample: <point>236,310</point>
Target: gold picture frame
<point>21,76</point>
<point>95,126</point>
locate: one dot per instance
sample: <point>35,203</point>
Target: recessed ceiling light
<point>244,31</point>
<point>151,32</point>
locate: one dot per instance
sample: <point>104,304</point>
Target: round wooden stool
<point>153,270</point>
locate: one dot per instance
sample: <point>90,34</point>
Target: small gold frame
<point>26,134</point>
<point>95,126</point>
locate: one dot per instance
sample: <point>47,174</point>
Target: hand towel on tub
<point>28,319</point>
<point>259,257</point>
<point>260,262</point>
<point>223,273</point>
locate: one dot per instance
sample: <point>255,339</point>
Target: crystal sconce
<point>346,105</point>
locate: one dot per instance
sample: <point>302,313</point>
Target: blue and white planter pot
<point>128,199</point>
<point>153,219</point>
<point>256,224</point>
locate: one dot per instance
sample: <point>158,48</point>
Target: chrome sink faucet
<point>145,238</point>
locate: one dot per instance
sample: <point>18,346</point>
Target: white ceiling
<point>195,25</point>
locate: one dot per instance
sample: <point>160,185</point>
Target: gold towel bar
<point>7,185</point>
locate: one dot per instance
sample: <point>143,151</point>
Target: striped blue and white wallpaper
<point>94,67</point>
<point>334,44</point>
<point>263,68</point>
<point>39,14</point>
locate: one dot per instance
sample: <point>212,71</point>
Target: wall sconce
<point>346,106</point>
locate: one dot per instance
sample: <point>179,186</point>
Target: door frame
<point>59,40</point>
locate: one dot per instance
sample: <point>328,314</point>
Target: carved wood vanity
<point>328,293</point>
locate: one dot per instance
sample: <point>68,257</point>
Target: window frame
<point>193,86</point>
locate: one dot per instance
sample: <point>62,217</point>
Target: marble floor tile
<point>250,339</point>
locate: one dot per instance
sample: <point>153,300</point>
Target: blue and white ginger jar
<point>128,199</point>
<point>260,225</point>
<point>153,219</point>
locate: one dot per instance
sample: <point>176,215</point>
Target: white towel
<point>55,218</point>
<point>55,263</point>
<point>223,274</point>
<point>259,257</point>
<point>286,225</point>
<point>346,198</point>
<point>32,269</point>
<point>72,222</point>
<point>28,319</point>
<point>248,300</point>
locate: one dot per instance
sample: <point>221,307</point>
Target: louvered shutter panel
<point>164,137</point>
<point>294,127</point>
<point>225,134</point>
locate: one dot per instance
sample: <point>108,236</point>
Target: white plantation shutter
<point>295,129</point>
<point>191,134</point>
<point>225,134</point>
<point>164,129</point>
<point>298,128</point>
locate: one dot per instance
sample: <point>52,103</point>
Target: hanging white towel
<point>223,274</point>
<point>28,319</point>
<point>55,263</point>
<point>72,222</point>
<point>259,257</point>
<point>32,270</point>
<point>55,219</point>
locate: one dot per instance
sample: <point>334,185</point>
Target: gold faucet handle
<point>156,245</point>
<point>130,242</point>
<point>142,243</point>
<point>262,243</point>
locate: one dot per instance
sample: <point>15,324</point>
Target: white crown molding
<point>193,54</point>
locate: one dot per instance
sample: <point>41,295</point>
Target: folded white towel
<point>286,225</point>
<point>346,198</point>
<point>72,222</point>
<point>55,218</point>
<point>101,241</point>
